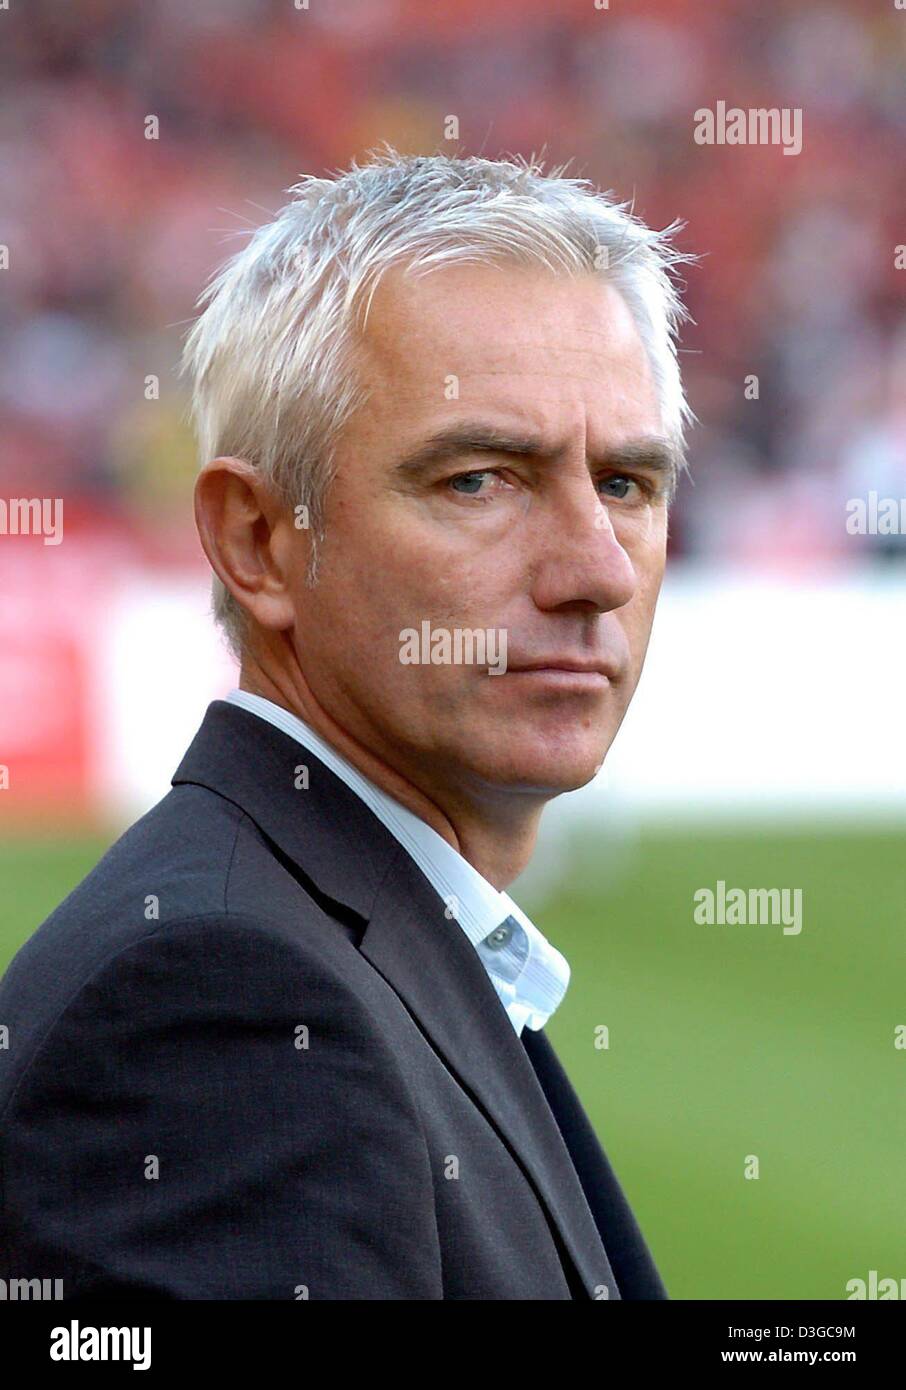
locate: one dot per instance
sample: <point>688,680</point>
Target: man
<point>287,1039</point>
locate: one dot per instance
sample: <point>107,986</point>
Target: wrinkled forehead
<point>510,337</point>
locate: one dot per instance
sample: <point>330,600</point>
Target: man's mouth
<point>566,673</point>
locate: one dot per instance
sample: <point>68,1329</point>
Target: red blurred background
<point>112,235</point>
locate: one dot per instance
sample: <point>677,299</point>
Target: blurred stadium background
<point>766,746</point>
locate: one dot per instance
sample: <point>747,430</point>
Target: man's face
<point>561,544</point>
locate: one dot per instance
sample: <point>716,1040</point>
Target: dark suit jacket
<point>296,1079</point>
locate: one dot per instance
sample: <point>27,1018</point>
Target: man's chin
<point>571,779</point>
<point>548,776</point>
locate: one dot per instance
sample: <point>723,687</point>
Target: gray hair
<point>273,356</point>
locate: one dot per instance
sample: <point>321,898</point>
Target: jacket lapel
<point>630,1258</point>
<point>337,844</point>
<point>437,973</point>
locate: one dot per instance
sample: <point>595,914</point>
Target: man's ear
<point>239,520</point>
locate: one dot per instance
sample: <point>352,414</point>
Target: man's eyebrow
<point>652,452</point>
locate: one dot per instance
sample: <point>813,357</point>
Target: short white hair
<point>272,357</point>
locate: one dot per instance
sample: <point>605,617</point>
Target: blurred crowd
<point>796,361</point>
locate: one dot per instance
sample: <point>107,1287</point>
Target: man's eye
<point>619,483</point>
<point>472,482</point>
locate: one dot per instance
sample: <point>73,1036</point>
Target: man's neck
<point>498,848</point>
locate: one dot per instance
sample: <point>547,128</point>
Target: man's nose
<point>580,561</point>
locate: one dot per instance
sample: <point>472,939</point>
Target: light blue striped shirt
<point>529,975</point>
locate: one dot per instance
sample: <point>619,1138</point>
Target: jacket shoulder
<point>194,863</point>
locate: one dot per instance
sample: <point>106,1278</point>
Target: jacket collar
<point>337,843</point>
<point>325,829</point>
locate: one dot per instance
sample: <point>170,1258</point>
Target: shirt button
<point>498,938</point>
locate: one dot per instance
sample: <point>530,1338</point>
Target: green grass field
<point>724,1042</point>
